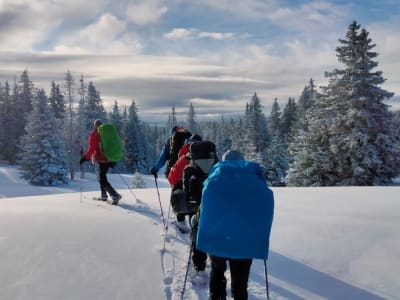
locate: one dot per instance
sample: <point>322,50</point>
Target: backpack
<point>177,140</point>
<point>186,198</point>
<point>202,157</point>
<point>237,210</point>
<point>111,143</point>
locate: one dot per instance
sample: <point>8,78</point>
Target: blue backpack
<point>236,211</point>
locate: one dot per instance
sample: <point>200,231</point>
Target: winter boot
<point>116,199</point>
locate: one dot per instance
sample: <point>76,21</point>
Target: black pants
<point>240,270</point>
<point>105,186</point>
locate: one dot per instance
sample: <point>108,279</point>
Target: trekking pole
<point>266,278</point>
<point>159,201</point>
<point>81,189</point>
<point>166,227</point>
<point>129,188</point>
<point>187,271</point>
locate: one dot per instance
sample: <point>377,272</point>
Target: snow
<point>58,243</point>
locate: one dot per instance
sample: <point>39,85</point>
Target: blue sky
<point>215,54</point>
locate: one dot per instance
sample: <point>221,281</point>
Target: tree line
<point>339,134</point>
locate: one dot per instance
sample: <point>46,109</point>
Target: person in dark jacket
<point>164,154</point>
<point>101,163</point>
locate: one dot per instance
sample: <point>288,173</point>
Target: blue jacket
<point>236,211</point>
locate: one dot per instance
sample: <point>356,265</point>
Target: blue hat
<point>232,155</point>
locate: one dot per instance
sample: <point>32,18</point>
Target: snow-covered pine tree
<point>255,125</point>
<point>172,121</point>
<point>350,139</point>
<point>94,108</point>
<point>69,133</point>
<point>288,120</point>
<point>274,120</point>
<point>276,162</point>
<point>43,157</point>
<point>56,101</point>
<point>23,103</point>
<point>115,117</point>
<point>191,123</point>
<point>135,145</point>
<point>362,131</point>
<point>9,135</point>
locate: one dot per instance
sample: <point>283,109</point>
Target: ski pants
<point>240,270</point>
<point>101,172</point>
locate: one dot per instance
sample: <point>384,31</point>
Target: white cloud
<point>180,34</point>
<point>146,13</point>
<point>107,35</point>
<point>190,34</point>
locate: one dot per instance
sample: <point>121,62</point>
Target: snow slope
<point>58,243</point>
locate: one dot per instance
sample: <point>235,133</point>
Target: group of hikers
<point>225,206</point>
<point>229,207</point>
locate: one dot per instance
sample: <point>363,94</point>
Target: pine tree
<point>23,103</point>
<point>116,118</point>
<point>172,121</point>
<point>276,162</point>
<point>288,120</point>
<point>43,156</point>
<point>350,139</point>
<point>255,130</point>
<point>191,123</point>
<point>135,157</point>
<point>56,101</point>
<point>274,120</point>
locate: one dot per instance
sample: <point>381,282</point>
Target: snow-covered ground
<point>58,243</point>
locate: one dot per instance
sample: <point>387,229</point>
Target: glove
<point>154,171</point>
<point>82,160</point>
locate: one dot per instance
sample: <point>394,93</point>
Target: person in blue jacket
<point>237,188</point>
<point>164,154</point>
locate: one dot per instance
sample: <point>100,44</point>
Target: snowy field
<point>58,243</point>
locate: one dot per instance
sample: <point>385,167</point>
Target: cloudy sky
<point>213,53</point>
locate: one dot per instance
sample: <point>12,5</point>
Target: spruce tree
<point>42,157</point>
<point>350,139</point>
<point>191,122</point>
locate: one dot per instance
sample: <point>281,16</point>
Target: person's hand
<point>82,160</point>
<point>153,171</point>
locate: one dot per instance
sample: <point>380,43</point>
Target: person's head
<point>97,123</point>
<point>194,138</point>
<point>175,128</point>
<point>232,155</point>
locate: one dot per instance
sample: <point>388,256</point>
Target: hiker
<point>175,178</point>
<point>101,164</point>
<point>235,221</point>
<point>169,152</point>
<point>202,157</point>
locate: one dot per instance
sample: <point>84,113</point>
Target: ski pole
<point>129,188</point>
<point>166,227</point>
<point>187,271</point>
<point>266,278</point>
<point>159,201</point>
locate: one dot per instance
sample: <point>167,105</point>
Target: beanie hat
<point>173,129</point>
<point>232,155</point>
<point>193,138</point>
<point>97,122</point>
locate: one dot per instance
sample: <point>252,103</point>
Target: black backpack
<point>176,141</point>
<point>202,157</point>
<point>186,199</point>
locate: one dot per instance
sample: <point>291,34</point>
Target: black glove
<point>153,171</point>
<point>82,160</point>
